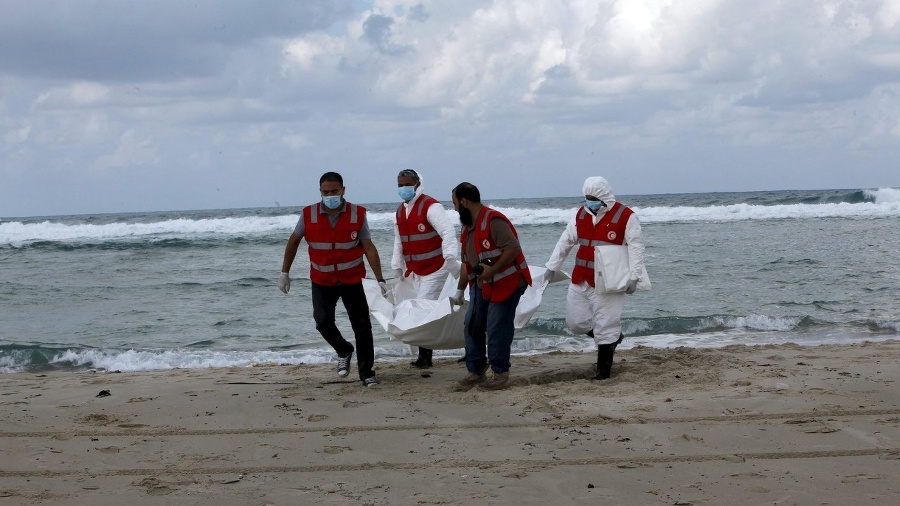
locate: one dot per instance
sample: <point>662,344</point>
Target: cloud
<point>130,152</point>
<point>377,30</point>
<point>532,93</point>
<point>146,41</point>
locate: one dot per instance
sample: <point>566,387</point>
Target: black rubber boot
<point>604,361</point>
<point>424,360</point>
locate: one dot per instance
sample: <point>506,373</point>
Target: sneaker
<point>370,382</point>
<point>466,384</point>
<point>343,366</point>
<point>497,381</point>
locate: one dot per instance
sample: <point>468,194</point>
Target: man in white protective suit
<point>425,247</point>
<point>594,304</point>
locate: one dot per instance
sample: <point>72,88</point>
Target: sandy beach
<point>739,425</point>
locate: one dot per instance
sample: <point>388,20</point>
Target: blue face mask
<point>594,205</point>
<point>332,202</point>
<point>406,192</point>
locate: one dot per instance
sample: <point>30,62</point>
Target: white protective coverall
<point>589,308</point>
<point>430,285</point>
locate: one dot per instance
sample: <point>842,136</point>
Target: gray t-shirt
<point>364,233</point>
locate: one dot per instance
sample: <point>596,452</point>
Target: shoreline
<point>785,424</point>
<point>164,360</point>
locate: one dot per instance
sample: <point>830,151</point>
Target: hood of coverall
<point>421,189</point>
<point>599,187</point>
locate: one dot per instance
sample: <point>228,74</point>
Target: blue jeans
<point>489,325</point>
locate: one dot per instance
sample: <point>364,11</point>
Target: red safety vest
<point>609,230</point>
<point>505,283</point>
<point>421,243</point>
<point>335,253</point>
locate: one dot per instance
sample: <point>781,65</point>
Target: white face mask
<point>332,202</point>
<point>406,192</point>
<point>594,205</point>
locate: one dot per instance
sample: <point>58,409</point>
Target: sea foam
<point>16,233</point>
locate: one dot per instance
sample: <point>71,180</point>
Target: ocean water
<point>193,289</point>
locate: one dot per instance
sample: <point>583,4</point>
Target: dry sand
<point>738,425</point>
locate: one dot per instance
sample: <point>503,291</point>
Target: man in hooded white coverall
<point>599,221</point>
<point>425,245</point>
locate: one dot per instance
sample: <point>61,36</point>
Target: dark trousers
<point>354,298</point>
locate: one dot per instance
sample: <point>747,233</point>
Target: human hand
<point>631,286</point>
<point>284,282</point>
<point>483,270</point>
<point>383,286</point>
<point>459,299</point>
<point>398,274</point>
<point>453,265</point>
<point>548,276</point>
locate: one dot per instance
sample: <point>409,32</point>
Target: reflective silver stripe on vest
<point>488,255</point>
<point>584,263</point>
<point>420,205</point>
<point>423,256</point>
<point>346,245</point>
<point>314,213</point>
<point>618,214</point>
<point>512,269</point>
<point>339,267</point>
<point>585,242</point>
<point>418,237</point>
<point>337,245</point>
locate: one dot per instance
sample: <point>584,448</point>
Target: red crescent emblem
<point>611,236</point>
<point>353,235</point>
<point>486,244</point>
<point>421,227</point>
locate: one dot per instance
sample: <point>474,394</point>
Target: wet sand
<point>739,425</point>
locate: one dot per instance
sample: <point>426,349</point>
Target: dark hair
<point>331,176</point>
<point>408,173</point>
<point>467,191</point>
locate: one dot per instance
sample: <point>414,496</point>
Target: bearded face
<point>465,216</point>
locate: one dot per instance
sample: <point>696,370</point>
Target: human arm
<point>398,264</point>
<point>634,240</point>
<point>564,245</point>
<point>437,217</point>
<point>290,252</point>
<point>460,295</point>
<point>374,260</point>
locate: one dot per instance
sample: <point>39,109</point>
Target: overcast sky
<point>113,106</point>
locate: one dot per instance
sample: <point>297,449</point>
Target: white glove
<point>398,273</point>
<point>453,265</point>
<point>631,286</point>
<point>284,282</point>
<point>459,299</point>
<point>548,276</point>
<point>383,286</point>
